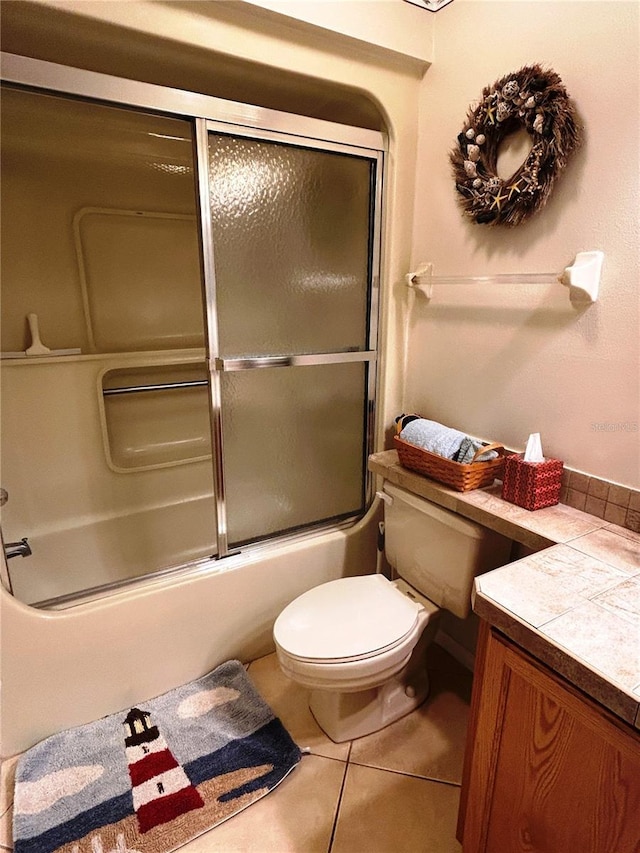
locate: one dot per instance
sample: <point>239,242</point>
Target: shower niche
<point>141,292</point>
<point>155,416</point>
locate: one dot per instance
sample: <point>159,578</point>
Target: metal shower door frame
<point>219,365</point>
<point>212,114</point>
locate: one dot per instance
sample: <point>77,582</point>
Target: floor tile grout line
<point>410,775</point>
<point>328,757</point>
<point>339,805</point>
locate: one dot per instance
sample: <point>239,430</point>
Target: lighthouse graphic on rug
<point>161,788</point>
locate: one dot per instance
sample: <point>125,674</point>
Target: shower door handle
<point>230,365</point>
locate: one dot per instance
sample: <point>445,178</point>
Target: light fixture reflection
<point>171,168</point>
<point>326,282</point>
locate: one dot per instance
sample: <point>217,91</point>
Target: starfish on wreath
<point>514,188</point>
<point>490,113</point>
<point>497,200</point>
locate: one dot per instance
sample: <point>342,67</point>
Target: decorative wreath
<point>531,98</point>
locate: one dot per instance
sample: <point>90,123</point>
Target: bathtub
<point>109,551</point>
<point>66,667</point>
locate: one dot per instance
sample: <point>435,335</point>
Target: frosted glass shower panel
<point>113,478</point>
<point>293,446</point>
<point>291,234</point>
<point>101,237</point>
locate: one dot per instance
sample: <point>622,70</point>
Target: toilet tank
<point>438,552</point>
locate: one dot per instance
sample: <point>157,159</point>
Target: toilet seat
<point>350,619</point>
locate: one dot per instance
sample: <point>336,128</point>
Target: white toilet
<point>359,643</point>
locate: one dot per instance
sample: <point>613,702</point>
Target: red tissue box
<point>532,485</point>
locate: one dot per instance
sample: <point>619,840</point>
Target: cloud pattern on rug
<point>36,797</point>
<point>205,701</point>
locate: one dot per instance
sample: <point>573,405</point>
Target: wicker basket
<point>459,476</point>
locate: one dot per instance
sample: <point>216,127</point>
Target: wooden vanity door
<point>550,771</point>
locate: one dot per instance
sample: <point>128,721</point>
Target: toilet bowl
<point>359,643</point>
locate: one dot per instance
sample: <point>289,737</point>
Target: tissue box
<point>532,485</point>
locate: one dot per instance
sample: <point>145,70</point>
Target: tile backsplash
<point>617,504</point>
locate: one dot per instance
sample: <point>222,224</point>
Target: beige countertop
<point>575,604</point>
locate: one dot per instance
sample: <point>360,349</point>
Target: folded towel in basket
<point>443,440</point>
<point>468,449</point>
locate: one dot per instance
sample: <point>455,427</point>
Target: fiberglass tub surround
<point>221,283</point>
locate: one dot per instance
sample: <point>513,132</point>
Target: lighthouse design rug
<point>154,776</point>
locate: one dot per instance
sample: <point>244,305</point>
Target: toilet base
<point>345,716</point>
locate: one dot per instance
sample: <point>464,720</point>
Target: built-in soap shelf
<point>155,415</point>
<point>582,278</point>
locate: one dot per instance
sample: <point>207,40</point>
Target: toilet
<point>359,643</point>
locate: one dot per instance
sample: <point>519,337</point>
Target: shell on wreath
<point>481,139</point>
<point>510,90</point>
<point>477,183</point>
<point>470,168</point>
<point>538,123</point>
<point>470,133</point>
<point>493,184</point>
<point>530,102</point>
<point>503,111</point>
<point>473,153</point>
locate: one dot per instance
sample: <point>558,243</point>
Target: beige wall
<point>503,362</point>
<point>390,24</point>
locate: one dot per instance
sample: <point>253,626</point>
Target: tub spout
<point>17,549</point>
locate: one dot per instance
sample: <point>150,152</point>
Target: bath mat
<point>154,776</point>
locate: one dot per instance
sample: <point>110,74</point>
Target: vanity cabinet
<point>546,768</point>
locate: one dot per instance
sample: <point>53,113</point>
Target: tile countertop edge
<point>538,531</point>
<point>592,683</point>
<point>487,507</point>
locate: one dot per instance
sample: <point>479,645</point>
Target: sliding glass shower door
<point>106,439</point>
<point>292,229</point>
<point>206,277</point>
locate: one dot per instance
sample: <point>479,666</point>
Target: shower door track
<point>196,567</point>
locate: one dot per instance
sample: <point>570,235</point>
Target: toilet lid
<point>346,618</point>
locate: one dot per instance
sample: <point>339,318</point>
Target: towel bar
<point>582,278</point>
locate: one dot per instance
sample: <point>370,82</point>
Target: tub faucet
<point>17,549</point>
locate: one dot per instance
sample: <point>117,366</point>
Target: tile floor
<point>395,791</point>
